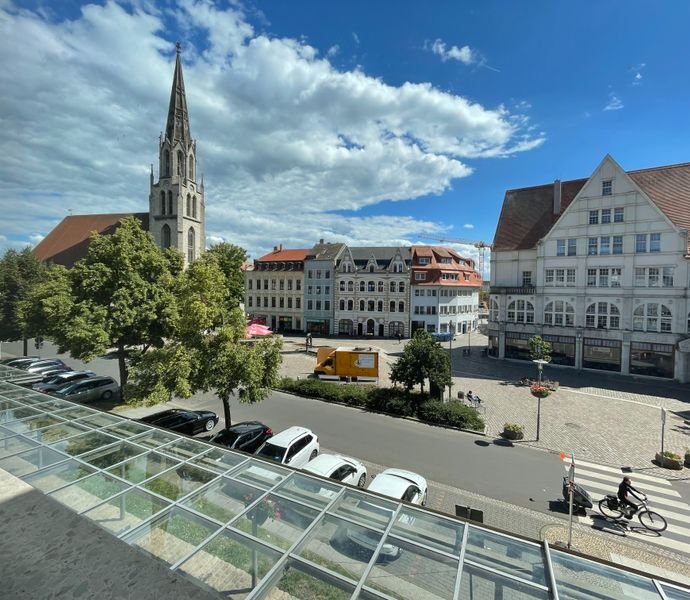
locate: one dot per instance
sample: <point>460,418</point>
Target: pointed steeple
<point>177,127</point>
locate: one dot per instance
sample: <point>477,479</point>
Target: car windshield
<point>272,451</point>
<point>226,437</point>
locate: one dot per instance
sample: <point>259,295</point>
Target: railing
<point>525,290</point>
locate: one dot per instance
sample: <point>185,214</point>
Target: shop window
<point>652,317</point>
<point>602,315</point>
<point>521,311</point>
<point>560,313</point>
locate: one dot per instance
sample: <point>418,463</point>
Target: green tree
<point>539,348</point>
<point>230,259</point>
<point>20,272</point>
<point>422,359</point>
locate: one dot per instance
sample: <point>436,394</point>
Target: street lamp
<point>451,327</point>
<point>540,362</point>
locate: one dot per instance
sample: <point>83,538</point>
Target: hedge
<point>394,401</point>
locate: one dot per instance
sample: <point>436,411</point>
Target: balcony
<point>525,290</point>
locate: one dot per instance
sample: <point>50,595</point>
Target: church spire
<point>177,127</point>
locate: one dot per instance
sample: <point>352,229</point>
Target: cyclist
<point>624,489</point>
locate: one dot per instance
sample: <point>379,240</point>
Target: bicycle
<point>610,507</point>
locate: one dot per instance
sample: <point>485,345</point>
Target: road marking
<point>658,540</point>
<point>616,480</point>
<point>595,488</point>
<point>619,472</point>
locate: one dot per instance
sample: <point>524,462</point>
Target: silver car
<point>89,390</point>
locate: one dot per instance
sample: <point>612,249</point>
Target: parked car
<point>55,381</point>
<point>295,446</point>
<point>339,468</point>
<point>18,361</point>
<point>88,390</point>
<point>43,364</point>
<point>54,371</point>
<point>399,485</point>
<point>183,421</point>
<point>247,436</point>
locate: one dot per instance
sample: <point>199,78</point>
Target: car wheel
<point>107,395</point>
<point>210,424</point>
<point>314,454</point>
<point>362,480</point>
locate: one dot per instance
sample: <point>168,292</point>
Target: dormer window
<point>607,187</point>
<point>372,268</point>
<point>424,260</point>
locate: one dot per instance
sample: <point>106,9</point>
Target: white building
<point>600,268</point>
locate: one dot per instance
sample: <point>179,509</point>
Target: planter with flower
<point>266,509</point>
<point>687,457</point>
<point>669,460</point>
<point>539,390</point>
<point>513,431</point>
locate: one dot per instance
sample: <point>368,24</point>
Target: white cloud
<point>465,54</point>
<point>284,138</point>
<point>637,70</point>
<point>614,103</point>
<point>333,50</point>
<point>355,38</point>
<point>468,226</point>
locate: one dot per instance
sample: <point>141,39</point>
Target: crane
<point>480,246</point>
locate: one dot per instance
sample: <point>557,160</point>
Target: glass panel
<point>309,490</point>
<point>50,479</point>
<point>477,583</point>
<point>185,449</point>
<point>83,443</point>
<point>51,404</point>
<point>30,461</point>
<point>260,474</point>
<point>298,583</point>
<point>15,445</point>
<point>100,420</point>
<point>674,593</point>
<point>154,438</point>
<point>277,521</point>
<point>89,492</point>
<point>33,423</point>
<point>127,511</point>
<point>577,578</point>
<point>330,545</point>
<point>218,460</point>
<point>414,569</point>
<point>223,499</point>
<point>55,433</point>
<point>5,433</point>
<point>430,530</point>
<point>179,482</point>
<point>125,429</point>
<point>143,467</point>
<point>13,411</point>
<point>227,564</point>
<point>506,554</point>
<point>368,510</point>
<point>174,535</point>
<point>74,412</point>
<point>112,455</point>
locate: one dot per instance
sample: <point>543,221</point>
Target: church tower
<point>176,201</point>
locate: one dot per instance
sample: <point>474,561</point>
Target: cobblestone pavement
<point>599,417</point>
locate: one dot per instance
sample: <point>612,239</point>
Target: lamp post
<point>540,367</point>
<point>451,327</point>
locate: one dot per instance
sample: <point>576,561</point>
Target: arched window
<point>165,236</point>
<point>371,286</point>
<point>362,286</point>
<point>350,305</point>
<point>401,287</point>
<point>602,315</point>
<point>392,306</point>
<point>162,203</point>
<point>361,305</point>
<point>371,268</point>
<point>342,286</point>
<point>167,163</point>
<point>559,312</point>
<point>652,317</point>
<point>493,310</point>
<point>191,167</point>
<point>350,286</point>
<point>191,245</point>
<point>391,287</point>
<point>521,311</point>
<point>170,204</point>
<point>341,305</point>
<point>380,286</point>
<point>189,205</point>
<point>194,207</point>
<point>379,306</point>
<point>396,328</point>
<point>371,306</point>
<point>401,307</point>
<point>180,163</point>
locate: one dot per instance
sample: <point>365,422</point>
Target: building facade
<point>600,268</point>
<point>319,288</point>
<point>444,293</point>
<point>274,289</point>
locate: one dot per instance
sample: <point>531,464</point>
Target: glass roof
<point>251,529</point>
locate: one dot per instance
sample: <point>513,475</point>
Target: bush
<point>354,395</point>
<point>671,455</point>
<point>453,414</point>
<point>514,427</point>
<point>394,401</point>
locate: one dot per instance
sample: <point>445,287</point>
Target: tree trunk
<point>26,346</point>
<point>121,356</point>
<point>226,411</point>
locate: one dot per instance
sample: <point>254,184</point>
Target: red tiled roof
<point>527,214</point>
<point>294,255</point>
<point>69,241</point>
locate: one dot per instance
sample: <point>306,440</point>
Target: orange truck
<point>347,364</point>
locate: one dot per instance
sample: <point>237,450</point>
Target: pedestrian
<point>470,396</point>
<point>399,336</point>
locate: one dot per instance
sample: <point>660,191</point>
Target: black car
<point>183,421</point>
<point>247,436</point>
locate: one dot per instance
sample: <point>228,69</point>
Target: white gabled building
<point>600,267</point>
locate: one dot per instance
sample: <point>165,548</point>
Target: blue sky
<point>363,122</point>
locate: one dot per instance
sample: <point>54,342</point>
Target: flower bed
<point>669,460</point>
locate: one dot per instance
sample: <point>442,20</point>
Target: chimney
<point>280,247</point>
<point>557,197</point>
<point>275,248</point>
<point>321,241</point>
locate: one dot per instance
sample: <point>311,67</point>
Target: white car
<point>339,468</point>
<point>399,485</point>
<point>295,446</point>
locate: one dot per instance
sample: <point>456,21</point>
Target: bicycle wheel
<point>652,521</point>
<point>611,513</point>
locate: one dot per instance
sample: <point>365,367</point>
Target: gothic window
<point>401,307</point>
<point>372,286</point>
<point>165,237</point>
<point>401,287</point>
<point>191,167</point>
<point>189,205</point>
<point>180,163</point>
<point>652,317</point>
<point>493,310</point>
<point>342,286</point>
<point>361,305</point>
<point>162,203</point>
<point>191,245</point>
<point>380,306</point>
<point>380,286</point>
<point>170,204</point>
<point>521,311</point>
<point>350,286</point>
<point>371,268</point>
<point>362,286</point>
<point>559,312</point>
<point>167,163</point>
<point>350,305</point>
<point>341,305</point>
<point>194,207</point>
<point>602,315</point>
<point>371,306</point>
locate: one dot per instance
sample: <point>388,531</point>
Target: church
<point>176,214</point>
